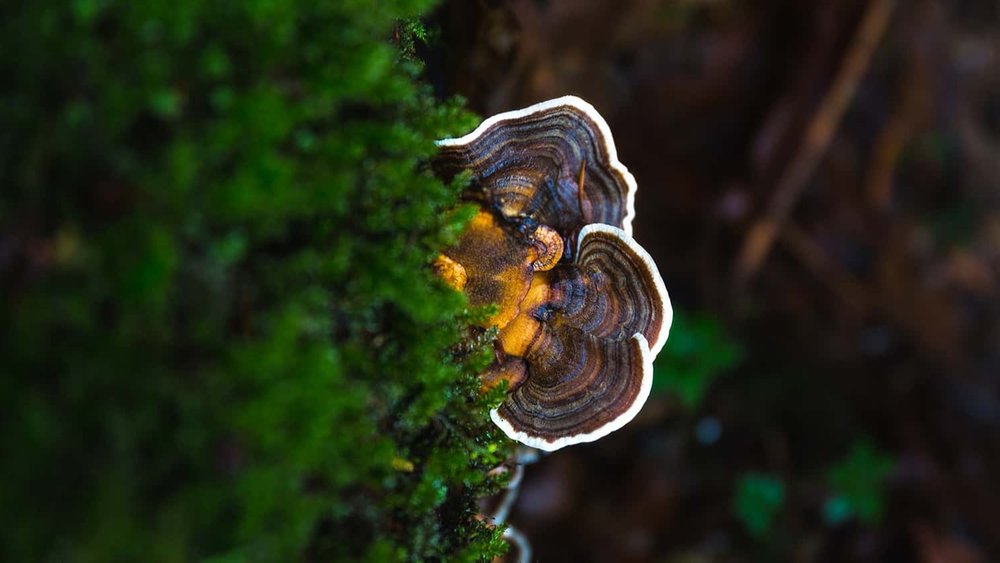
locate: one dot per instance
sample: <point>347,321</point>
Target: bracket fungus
<point>582,310</point>
<point>555,162</point>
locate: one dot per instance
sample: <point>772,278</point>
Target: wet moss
<point>221,336</point>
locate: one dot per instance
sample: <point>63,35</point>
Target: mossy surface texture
<point>221,339</point>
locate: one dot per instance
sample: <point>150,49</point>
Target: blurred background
<point>819,184</point>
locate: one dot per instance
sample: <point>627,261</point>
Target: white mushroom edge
<point>648,354</point>
<point>591,112</point>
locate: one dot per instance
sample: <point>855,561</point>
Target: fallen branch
<point>761,236</point>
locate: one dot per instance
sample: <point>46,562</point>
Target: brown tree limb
<point>761,236</point>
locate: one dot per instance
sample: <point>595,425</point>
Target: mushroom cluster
<point>582,310</point>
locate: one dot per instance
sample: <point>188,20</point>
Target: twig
<point>841,283</point>
<point>509,497</point>
<point>914,100</point>
<point>514,536</point>
<point>863,300</point>
<point>521,457</point>
<point>760,238</point>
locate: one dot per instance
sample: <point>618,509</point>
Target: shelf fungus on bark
<point>554,162</point>
<point>578,357</point>
<point>582,310</point>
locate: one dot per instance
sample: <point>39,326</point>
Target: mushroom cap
<point>554,162</point>
<point>599,388</point>
<point>625,292</point>
<point>587,332</point>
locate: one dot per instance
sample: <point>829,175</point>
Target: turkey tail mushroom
<point>554,162</point>
<point>579,325</point>
<point>580,390</point>
<point>579,354</point>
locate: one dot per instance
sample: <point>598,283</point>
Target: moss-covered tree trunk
<point>219,334</point>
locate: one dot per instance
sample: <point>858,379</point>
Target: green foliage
<point>408,33</point>
<point>857,483</point>
<point>698,350</point>
<point>758,500</point>
<point>221,339</point>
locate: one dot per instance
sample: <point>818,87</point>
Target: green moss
<point>857,483</point>
<point>757,502</point>
<point>221,337</point>
<point>699,350</point>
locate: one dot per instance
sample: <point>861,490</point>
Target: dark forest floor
<point>819,183</point>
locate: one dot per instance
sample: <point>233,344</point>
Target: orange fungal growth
<point>451,272</point>
<point>498,266</point>
<point>547,246</point>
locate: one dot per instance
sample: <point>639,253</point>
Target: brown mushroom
<point>578,355</point>
<point>579,326</point>
<point>553,163</point>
